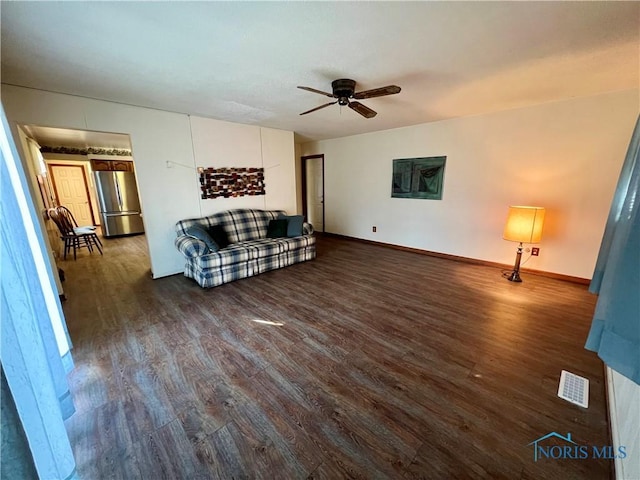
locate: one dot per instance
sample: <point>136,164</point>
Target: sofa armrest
<point>191,247</point>
<point>307,228</point>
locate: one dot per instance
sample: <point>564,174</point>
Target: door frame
<point>84,179</point>
<point>303,170</point>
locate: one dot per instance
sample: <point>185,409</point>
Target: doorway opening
<point>91,173</point>
<point>313,191</point>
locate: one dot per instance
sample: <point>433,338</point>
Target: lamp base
<point>514,277</point>
<point>515,274</point>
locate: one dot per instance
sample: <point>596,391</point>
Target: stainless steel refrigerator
<point>119,203</point>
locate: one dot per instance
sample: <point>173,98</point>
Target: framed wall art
<point>421,178</point>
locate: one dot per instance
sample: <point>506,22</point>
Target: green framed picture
<point>418,178</point>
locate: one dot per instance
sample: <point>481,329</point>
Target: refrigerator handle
<point>118,191</point>
<point>99,189</point>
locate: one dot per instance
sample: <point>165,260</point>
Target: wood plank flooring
<point>365,363</point>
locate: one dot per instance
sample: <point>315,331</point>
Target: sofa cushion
<point>252,224</point>
<point>265,247</point>
<point>217,276</point>
<point>234,253</point>
<point>199,232</point>
<point>294,225</point>
<point>295,243</point>
<point>277,228</point>
<point>219,236</point>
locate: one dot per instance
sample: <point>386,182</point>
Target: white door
<point>71,188</point>
<point>315,192</point>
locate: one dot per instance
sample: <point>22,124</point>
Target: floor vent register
<point>574,388</point>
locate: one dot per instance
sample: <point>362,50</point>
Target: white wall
<point>278,153</point>
<point>33,352</point>
<point>158,137</point>
<point>218,144</point>
<point>565,156</point>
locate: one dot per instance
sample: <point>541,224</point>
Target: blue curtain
<point>615,330</point>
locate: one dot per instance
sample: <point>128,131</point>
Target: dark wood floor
<point>365,363</point>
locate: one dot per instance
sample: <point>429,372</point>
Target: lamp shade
<point>524,224</point>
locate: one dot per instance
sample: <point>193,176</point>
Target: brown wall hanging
<point>231,182</point>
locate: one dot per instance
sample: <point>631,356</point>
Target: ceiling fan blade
<point>309,89</point>
<point>318,108</point>
<point>362,109</point>
<point>377,92</point>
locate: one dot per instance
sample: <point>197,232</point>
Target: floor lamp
<point>524,225</point>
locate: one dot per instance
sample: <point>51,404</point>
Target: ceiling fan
<point>344,89</point>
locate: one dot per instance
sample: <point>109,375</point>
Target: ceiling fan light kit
<point>344,89</point>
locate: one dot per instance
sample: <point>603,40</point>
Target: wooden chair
<point>73,236</point>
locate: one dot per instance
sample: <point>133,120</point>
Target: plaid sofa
<point>249,252</point>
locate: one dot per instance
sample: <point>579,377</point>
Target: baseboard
<point>169,273</point>
<point>456,258</point>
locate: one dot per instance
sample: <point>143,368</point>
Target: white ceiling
<point>242,61</point>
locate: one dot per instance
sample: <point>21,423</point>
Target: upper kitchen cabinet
<point>111,165</point>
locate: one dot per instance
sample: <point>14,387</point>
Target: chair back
<point>66,213</point>
<point>62,220</point>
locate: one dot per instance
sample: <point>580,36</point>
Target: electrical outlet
<point>535,251</point>
<point>375,229</point>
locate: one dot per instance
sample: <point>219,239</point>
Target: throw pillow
<point>219,235</point>
<point>294,225</point>
<point>277,228</point>
<point>199,232</point>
